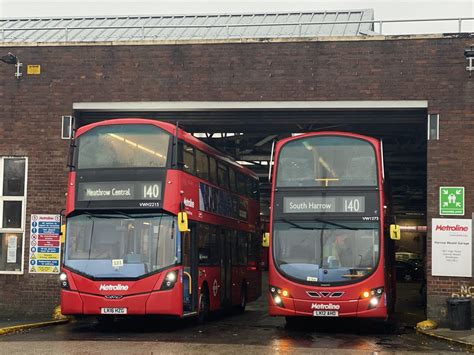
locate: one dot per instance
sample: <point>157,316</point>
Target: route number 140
<point>151,191</point>
<point>352,205</point>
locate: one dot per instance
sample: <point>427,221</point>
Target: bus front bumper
<point>362,308</point>
<point>160,303</point>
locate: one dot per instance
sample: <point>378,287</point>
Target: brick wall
<point>397,69</point>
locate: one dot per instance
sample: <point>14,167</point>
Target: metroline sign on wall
<point>451,247</point>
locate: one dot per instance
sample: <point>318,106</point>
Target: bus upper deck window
<point>188,155</point>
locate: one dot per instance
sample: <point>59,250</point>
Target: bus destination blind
<point>334,204</point>
<point>120,190</point>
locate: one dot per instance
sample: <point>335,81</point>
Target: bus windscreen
<point>123,146</point>
<point>327,161</point>
<point>317,252</point>
<point>121,246</point>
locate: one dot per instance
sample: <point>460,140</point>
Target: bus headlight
<point>277,300</point>
<point>169,281</point>
<point>375,296</point>
<point>63,280</point>
<point>374,301</point>
<point>277,294</point>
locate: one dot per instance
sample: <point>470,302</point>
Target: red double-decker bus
<point>157,223</point>
<point>328,253</point>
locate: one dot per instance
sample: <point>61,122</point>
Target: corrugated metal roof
<point>187,27</point>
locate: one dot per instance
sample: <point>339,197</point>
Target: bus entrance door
<point>190,271</point>
<point>226,268</point>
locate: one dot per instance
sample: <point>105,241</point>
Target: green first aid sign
<point>451,201</point>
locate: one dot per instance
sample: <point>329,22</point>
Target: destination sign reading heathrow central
<point>344,204</point>
<point>123,190</point>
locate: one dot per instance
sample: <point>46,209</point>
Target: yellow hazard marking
<point>427,325</point>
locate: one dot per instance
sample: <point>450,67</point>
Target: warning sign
<point>45,244</point>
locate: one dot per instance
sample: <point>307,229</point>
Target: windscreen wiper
<point>123,214</point>
<point>298,226</point>
<point>104,216</point>
<point>342,226</point>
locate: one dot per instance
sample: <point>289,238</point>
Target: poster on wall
<point>12,241</point>
<point>451,247</point>
<point>45,244</point>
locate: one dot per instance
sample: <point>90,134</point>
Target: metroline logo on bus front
<point>325,306</point>
<point>118,287</point>
<point>325,310</point>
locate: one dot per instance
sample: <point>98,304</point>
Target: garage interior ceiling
<point>247,135</point>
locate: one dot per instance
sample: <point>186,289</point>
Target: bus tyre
<point>203,313</point>
<point>243,300</point>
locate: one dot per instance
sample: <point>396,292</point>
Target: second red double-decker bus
<point>328,254</point>
<point>129,249</point>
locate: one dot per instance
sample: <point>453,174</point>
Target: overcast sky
<point>384,9</point>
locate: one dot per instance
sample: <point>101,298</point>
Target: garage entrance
<point>247,130</point>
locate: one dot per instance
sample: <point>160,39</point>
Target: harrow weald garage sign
<point>451,247</point>
<point>45,244</point>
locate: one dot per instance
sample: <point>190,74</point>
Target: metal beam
<point>248,105</point>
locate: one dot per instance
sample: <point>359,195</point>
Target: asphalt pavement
<point>253,331</point>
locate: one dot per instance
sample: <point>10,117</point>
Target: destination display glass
<point>360,205</point>
<point>119,190</point>
<point>319,204</point>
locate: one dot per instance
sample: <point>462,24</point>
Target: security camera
<point>9,58</point>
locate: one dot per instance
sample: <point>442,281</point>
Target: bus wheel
<point>243,300</point>
<point>203,313</point>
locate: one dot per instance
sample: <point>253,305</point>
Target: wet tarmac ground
<point>253,331</point>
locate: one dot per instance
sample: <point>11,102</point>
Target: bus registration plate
<point>325,313</point>
<point>113,311</point>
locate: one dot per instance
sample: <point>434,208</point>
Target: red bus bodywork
<point>348,300</point>
<point>142,296</point>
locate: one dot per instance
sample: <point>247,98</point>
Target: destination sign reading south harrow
<point>120,190</point>
<point>345,204</point>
